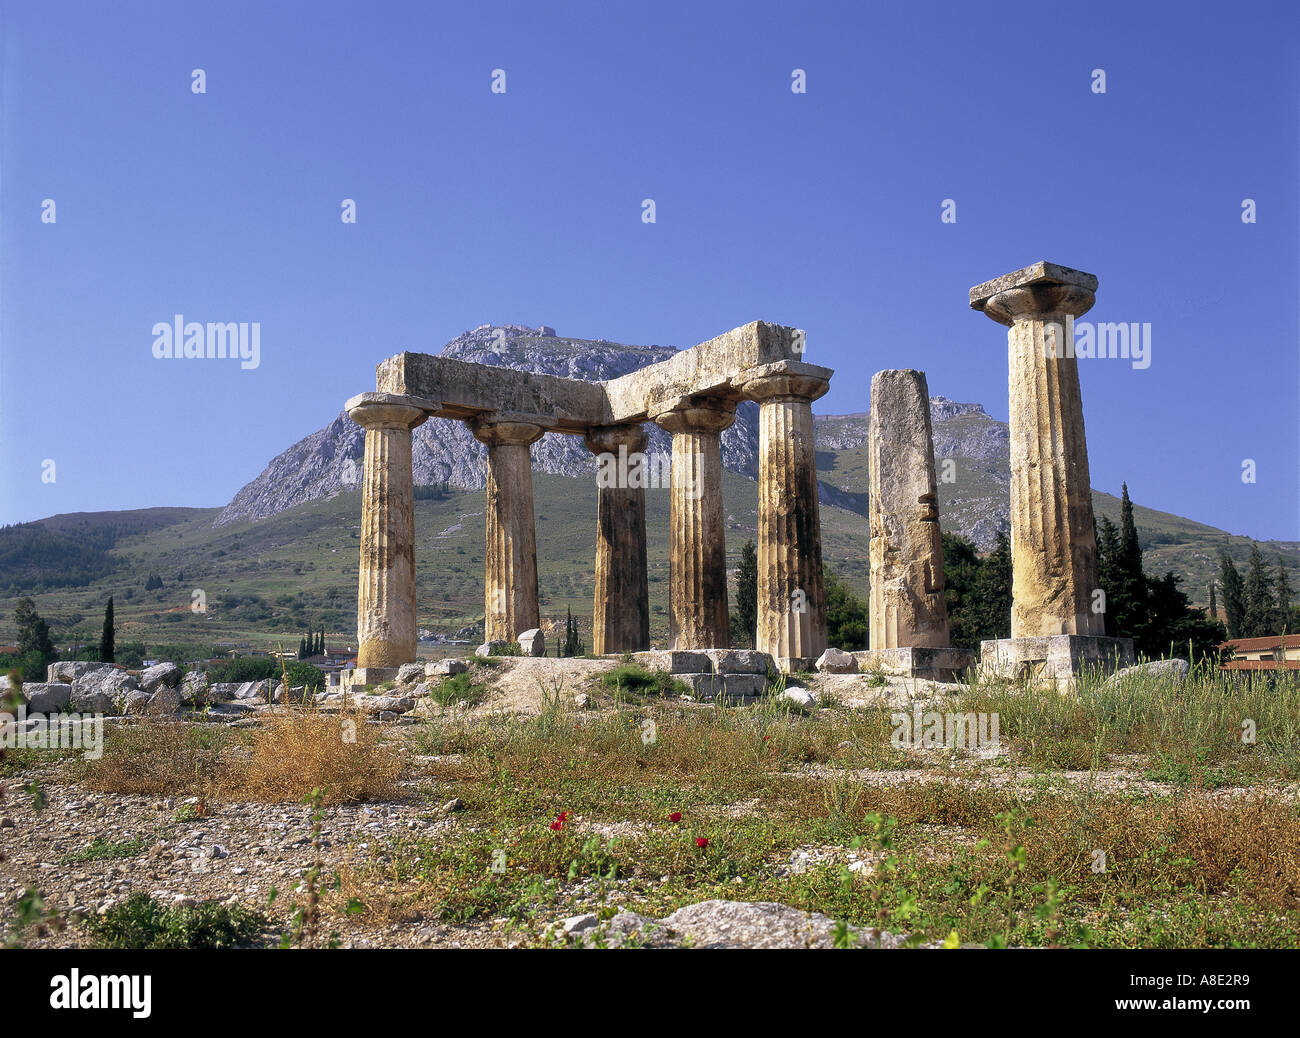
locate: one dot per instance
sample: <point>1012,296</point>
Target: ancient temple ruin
<point>692,395</point>
<point>1057,627</point>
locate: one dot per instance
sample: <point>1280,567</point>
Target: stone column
<point>386,630</point>
<point>697,565</point>
<point>510,562</point>
<point>621,617</point>
<point>1053,545</point>
<point>791,597</point>
<point>907,604</point>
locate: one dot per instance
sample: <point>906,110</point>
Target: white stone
<point>836,661</point>
<point>533,642</point>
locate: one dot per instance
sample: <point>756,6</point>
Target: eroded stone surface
<point>907,603</point>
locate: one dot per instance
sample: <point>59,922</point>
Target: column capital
<point>1035,292</point>
<point>390,410</point>
<point>693,414</point>
<point>503,427</point>
<point>607,439</point>
<point>784,380</point>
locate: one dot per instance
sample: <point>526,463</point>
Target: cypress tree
<point>747,591</point>
<point>1259,599</point>
<point>1214,608</point>
<point>1234,596</point>
<point>302,648</point>
<point>1110,576</point>
<point>106,647</point>
<point>1283,585</point>
<point>1131,558</point>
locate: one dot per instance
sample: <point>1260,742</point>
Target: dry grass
<point>294,753</point>
<point>288,756</point>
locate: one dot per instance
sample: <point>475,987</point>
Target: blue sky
<point>820,210</point>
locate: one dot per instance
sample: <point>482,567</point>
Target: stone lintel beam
<point>573,405</point>
<point>791,598</point>
<point>697,564</point>
<point>510,560</point>
<point>386,627</point>
<point>1053,545</point>
<point>621,614</point>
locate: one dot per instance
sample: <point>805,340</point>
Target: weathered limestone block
<point>533,642</point>
<point>907,605</point>
<point>621,616</point>
<point>159,675</point>
<point>1053,546</point>
<point>510,565</point>
<point>386,631</point>
<point>791,599</point>
<point>697,561</point>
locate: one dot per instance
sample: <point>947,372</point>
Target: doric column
<point>386,630</point>
<point>697,564</point>
<point>1053,546</point>
<point>907,604</point>
<point>791,599</point>
<point>510,563</point>
<point>621,617</point>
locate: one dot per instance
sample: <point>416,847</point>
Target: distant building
<point>1271,653</point>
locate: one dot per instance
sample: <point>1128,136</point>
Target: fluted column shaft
<point>510,559</point>
<point>1053,543</point>
<point>791,622</point>
<point>621,612</point>
<point>386,627</point>
<point>906,550</point>
<point>697,568</point>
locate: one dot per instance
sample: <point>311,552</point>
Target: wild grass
<point>290,754</point>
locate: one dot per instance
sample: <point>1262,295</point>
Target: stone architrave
<point>386,630</point>
<point>697,565</point>
<point>621,613</point>
<point>907,604</point>
<point>791,622</point>
<point>510,559</point>
<point>1053,544</point>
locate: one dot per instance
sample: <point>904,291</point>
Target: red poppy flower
<point>676,816</point>
<point>557,825</point>
<point>563,816</point>
<point>701,842</point>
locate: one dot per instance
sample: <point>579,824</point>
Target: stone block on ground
<point>739,661</point>
<point>491,648</point>
<point>67,671</point>
<point>533,642</point>
<point>836,661</point>
<point>385,704</point>
<point>192,687</point>
<point>409,672</point>
<point>1174,669</point>
<point>47,697</point>
<point>445,667</point>
<point>158,675</point>
<point>674,661</point>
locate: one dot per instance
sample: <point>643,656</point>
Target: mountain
<point>325,464</point>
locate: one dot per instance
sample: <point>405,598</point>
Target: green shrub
<point>141,922</point>
<point>629,677</point>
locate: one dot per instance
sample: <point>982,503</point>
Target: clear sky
<point>821,210</point>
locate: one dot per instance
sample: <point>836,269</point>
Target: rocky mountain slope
<point>328,462</point>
